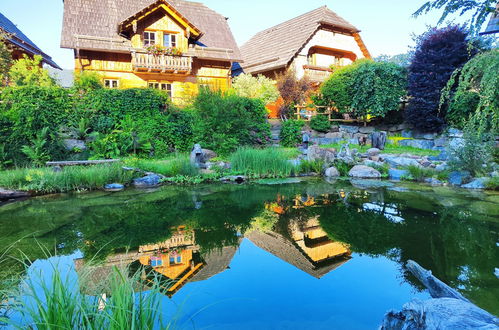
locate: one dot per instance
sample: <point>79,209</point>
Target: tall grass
<point>420,173</point>
<point>262,163</point>
<point>45,180</point>
<point>178,165</point>
<point>56,299</point>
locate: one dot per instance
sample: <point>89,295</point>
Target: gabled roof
<point>19,39</point>
<point>275,47</point>
<point>93,25</point>
<point>493,26</point>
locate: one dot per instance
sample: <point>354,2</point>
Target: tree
<point>259,87</point>
<point>293,91</point>
<point>29,72</point>
<point>366,88</point>
<point>5,58</point>
<point>480,10</point>
<point>439,52</point>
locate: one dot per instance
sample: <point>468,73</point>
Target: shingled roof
<point>275,47</point>
<point>493,26</point>
<point>93,25</point>
<point>19,39</point>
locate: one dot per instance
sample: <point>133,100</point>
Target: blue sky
<point>386,25</point>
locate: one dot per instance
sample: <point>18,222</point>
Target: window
<point>169,40</point>
<point>175,260</point>
<point>168,88</point>
<point>111,83</point>
<point>149,38</point>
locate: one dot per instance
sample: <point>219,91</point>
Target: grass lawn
<point>389,149</point>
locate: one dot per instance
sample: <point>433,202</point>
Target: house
<point>172,45</point>
<point>493,26</point>
<point>309,44</point>
<point>20,44</point>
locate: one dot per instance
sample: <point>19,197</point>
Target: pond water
<point>311,254</point>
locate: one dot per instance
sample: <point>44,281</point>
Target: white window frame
<point>148,41</point>
<point>162,86</point>
<point>111,83</point>
<point>172,40</point>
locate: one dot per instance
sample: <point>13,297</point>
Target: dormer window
<point>149,38</point>
<point>169,40</point>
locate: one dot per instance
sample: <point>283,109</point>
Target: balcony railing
<point>161,63</point>
<point>317,73</point>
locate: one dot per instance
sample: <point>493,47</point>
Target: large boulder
<point>6,194</point>
<point>458,178</point>
<point>479,183</point>
<point>315,152</point>
<point>209,154</point>
<point>373,152</point>
<point>114,187</point>
<point>397,175</point>
<point>72,144</point>
<point>150,180</point>
<point>364,172</point>
<point>397,161</point>
<point>331,172</point>
<point>349,129</point>
<point>366,130</point>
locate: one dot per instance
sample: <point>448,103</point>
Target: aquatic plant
<point>262,163</point>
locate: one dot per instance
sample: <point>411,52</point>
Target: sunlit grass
<point>262,163</point>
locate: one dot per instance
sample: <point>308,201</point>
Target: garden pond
<point>270,255</point>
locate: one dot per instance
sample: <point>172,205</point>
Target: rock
<point>370,184</point>
<point>424,136</point>
<point>72,144</point>
<point>401,161</point>
<point>317,153</point>
<point>57,169</point>
<point>206,171</point>
<point>478,183</point>
<point>197,157</point>
<point>454,133</point>
<point>458,178</point>
<point>418,143</point>
<point>425,163</point>
<point>440,141</point>
<point>6,194</point>
<point>349,129</point>
<point>366,130</point>
<point>394,174</point>
<point>374,158</point>
<point>456,143</point>
<point>331,172</point>
<point>378,140</point>
<point>150,180</point>
<point>441,167</point>
<point>234,178</point>
<point>365,172</point>
<point>114,187</point>
<point>353,141</point>
<point>373,152</point>
<point>372,163</point>
<point>209,154</point>
<point>325,140</point>
<point>334,135</point>
<point>433,182</point>
<point>443,156</point>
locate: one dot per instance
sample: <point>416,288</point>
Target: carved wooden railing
<point>161,63</point>
<point>317,73</point>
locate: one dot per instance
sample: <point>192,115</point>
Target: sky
<point>387,25</point>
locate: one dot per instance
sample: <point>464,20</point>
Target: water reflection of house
<point>173,262</point>
<point>307,247</point>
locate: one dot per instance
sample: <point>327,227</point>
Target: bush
<point>225,122</point>
<point>419,174</point>
<point>320,123</point>
<point>291,135</point>
<point>477,88</point>
<point>87,81</point>
<point>366,88</point>
<point>261,163</point>
<point>29,72</point>
<point>259,87</point>
<point>439,52</point>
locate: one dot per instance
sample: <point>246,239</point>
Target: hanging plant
<point>157,50</point>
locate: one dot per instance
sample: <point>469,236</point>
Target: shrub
<point>493,183</point>
<point>366,88</point>
<point>291,135</point>
<point>477,88</point>
<point>320,123</point>
<point>29,72</point>
<point>261,163</point>
<point>343,167</point>
<point>439,52</point>
<point>37,152</point>
<point>259,87</point>
<point>87,81</point>
<point>224,122</point>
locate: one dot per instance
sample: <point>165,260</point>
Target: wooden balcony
<point>317,73</point>
<point>144,62</point>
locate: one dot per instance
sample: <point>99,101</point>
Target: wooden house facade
<point>310,44</point>
<point>172,45</point>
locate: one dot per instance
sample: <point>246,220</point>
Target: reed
<point>262,163</point>
<point>178,165</point>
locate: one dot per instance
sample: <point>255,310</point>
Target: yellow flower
<point>29,178</point>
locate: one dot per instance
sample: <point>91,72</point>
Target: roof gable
<point>131,21</point>
<point>19,39</point>
<point>275,47</point>
<point>493,26</point>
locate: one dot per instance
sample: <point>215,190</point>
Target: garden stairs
<point>275,131</point>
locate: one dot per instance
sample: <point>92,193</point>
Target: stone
<point>349,129</point>
<point>74,144</point>
<point>433,182</point>
<point>441,167</point>
<point>331,172</point>
<point>440,141</point>
<point>373,152</point>
<point>456,143</point>
<point>443,156</point>
<point>370,184</point>
<point>407,134</point>
<point>114,187</point>
<point>197,157</point>
<point>364,172</point>
<point>334,135</point>
<point>317,153</point>
<point>57,169</point>
<point>234,178</point>
<point>150,180</point>
<point>478,183</point>
<point>206,171</point>
<point>325,140</point>
<point>372,163</point>
<point>418,143</point>
<point>353,141</point>
<point>425,163</point>
<point>395,174</point>
<point>378,140</point>
<point>425,136</point>
<point>458,178</point>
<point>401,161</point>
<point>6,194</point>
<point>454,133</point>
<point>209,154</point>
<point>374,158</point>
<point>366,130</point>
